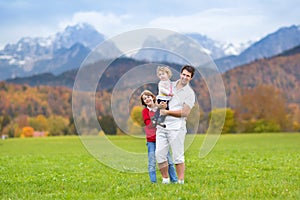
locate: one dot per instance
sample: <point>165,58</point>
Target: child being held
<point>165,94</point>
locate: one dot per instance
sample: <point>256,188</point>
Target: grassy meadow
<point>241,166</point>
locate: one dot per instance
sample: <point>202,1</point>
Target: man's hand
<point>177,113</point>
<point>163,112</point>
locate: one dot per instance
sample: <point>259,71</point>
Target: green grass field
<point>244,166</point>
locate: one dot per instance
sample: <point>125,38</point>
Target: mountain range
<point>282,72</point>
<point>275,43</point>
<point>64,51</point>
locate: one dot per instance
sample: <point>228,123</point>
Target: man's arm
<point>177,113</point>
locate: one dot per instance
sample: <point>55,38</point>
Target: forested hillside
<point>265,91</point>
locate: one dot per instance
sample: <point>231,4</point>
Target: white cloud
<point>229,25</point>
<point>106,23</point>
<point>228,21</point>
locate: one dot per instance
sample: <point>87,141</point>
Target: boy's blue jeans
<point>152,164</point>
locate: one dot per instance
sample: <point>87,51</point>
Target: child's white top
<point>164,90</point>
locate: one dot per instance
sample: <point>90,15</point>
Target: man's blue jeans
<point>152,164</point>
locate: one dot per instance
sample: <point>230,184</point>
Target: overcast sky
<point>223,20</point>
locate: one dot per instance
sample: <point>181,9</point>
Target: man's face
<point>185,77</point>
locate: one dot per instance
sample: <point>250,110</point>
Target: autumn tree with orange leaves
<point>262,109</point>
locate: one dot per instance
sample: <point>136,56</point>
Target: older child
<point>148,101</point>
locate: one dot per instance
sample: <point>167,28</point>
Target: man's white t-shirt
<point>182,96</point>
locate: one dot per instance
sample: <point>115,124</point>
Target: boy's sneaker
<point>180,181</point>
<point>165,181</point>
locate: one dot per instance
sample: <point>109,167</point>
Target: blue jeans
<point>152,164</point>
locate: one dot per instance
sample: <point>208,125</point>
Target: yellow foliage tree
<point>136,122</point>
<point>27,131</point>
<point>136,115</point>
<point>229,125</point>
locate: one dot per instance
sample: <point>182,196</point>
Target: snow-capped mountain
<point>84,34</point>
<point>67,49</point>
<point>226,56</point>
<point>272,44</point>
<point>218,49</point>
<point>55,53</point>
<point>214,48</point>
<point>235,49</point>
<point>50,54</point>
<point>183,43</point>
<point>29,50</point>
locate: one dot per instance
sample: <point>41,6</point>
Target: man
<point>174,134</point>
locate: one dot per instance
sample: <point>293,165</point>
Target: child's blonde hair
<point>164,69</point>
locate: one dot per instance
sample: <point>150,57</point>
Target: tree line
<point>25,111</point>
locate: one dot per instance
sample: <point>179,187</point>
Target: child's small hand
<point>162,105</point>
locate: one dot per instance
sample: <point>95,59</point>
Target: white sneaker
<point>165,181</point>
<point>180,181</point>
